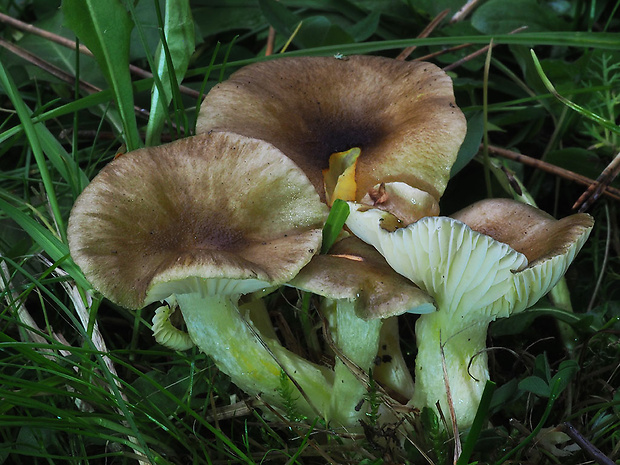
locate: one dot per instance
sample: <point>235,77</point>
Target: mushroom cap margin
<point>354,270</point>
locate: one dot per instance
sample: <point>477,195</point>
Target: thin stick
<point>271,38</point>
<point>48,67</point>
<point>473,55</point>
<point>82,49</point>
<point>593,192</point>
<point>402,56</point>
<point>586,446</point>
<point>59,73</point>
<point>609,191</point>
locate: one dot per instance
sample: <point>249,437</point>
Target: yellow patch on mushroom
<point>339,178</point>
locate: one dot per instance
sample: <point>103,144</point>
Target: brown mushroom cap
<point>164,220</point>
<point>549,245</point>
<point>401,114</point>
<point>354,270</point>
<point>527,229</point>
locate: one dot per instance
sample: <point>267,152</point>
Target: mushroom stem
<point>391,370</point>
<point>465,362</point>
<point>358,341</point>
<point>218,328</point>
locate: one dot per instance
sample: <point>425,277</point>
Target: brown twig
<point>586,445</point>
<point>402,56</point>
<point>593,192</point>
<point>48,67</point>
<point>609,191</point>
<point>479,52</point>
<point>135,70</point>
<point>57,72</point>
<point>443,52</point>
<point>271,38</point>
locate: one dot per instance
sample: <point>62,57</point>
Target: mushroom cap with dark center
<point>218,206</point>
<point>401,114</point>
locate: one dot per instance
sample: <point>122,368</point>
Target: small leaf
<point>280,18</point>
<point>535,385</point>
<point>566,372</point>
<point>495,17</point>
<point>471,144</point>
<point>365,28</point>
<point>542,368</point>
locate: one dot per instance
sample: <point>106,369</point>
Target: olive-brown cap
<point>401,114</point>
<point>218,213</point>
<point>353,270</point>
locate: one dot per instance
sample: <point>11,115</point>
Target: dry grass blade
<point>394,406</point>
<point>282,367</point>
<point>593,192</point>
<point>464,11</point>
<point>13,301</point>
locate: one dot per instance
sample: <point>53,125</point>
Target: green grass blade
<point>607,124</point>
<point>596,40</point>
<point>55,248</point>
<point>105,28</point>
<point>171,61</point>
<point>31,134</point>
<point>334,224</point>
<point>476,427</point>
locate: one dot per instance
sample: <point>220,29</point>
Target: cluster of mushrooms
<point>212,224</point>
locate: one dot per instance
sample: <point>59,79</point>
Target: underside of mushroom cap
<point>354,270</point>
<point>466,270</point>
<point>550,245</point>
<point>218,212</point>
<point>401,114</point>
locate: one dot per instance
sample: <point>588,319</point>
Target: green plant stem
<point>607,124</point>
<point>217,327</point>
<point>485,112</point>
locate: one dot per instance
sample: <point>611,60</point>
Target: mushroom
<point>360,291</point>
<point>201,222</point>
<point>490,260</point>
<point>400,114</point>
